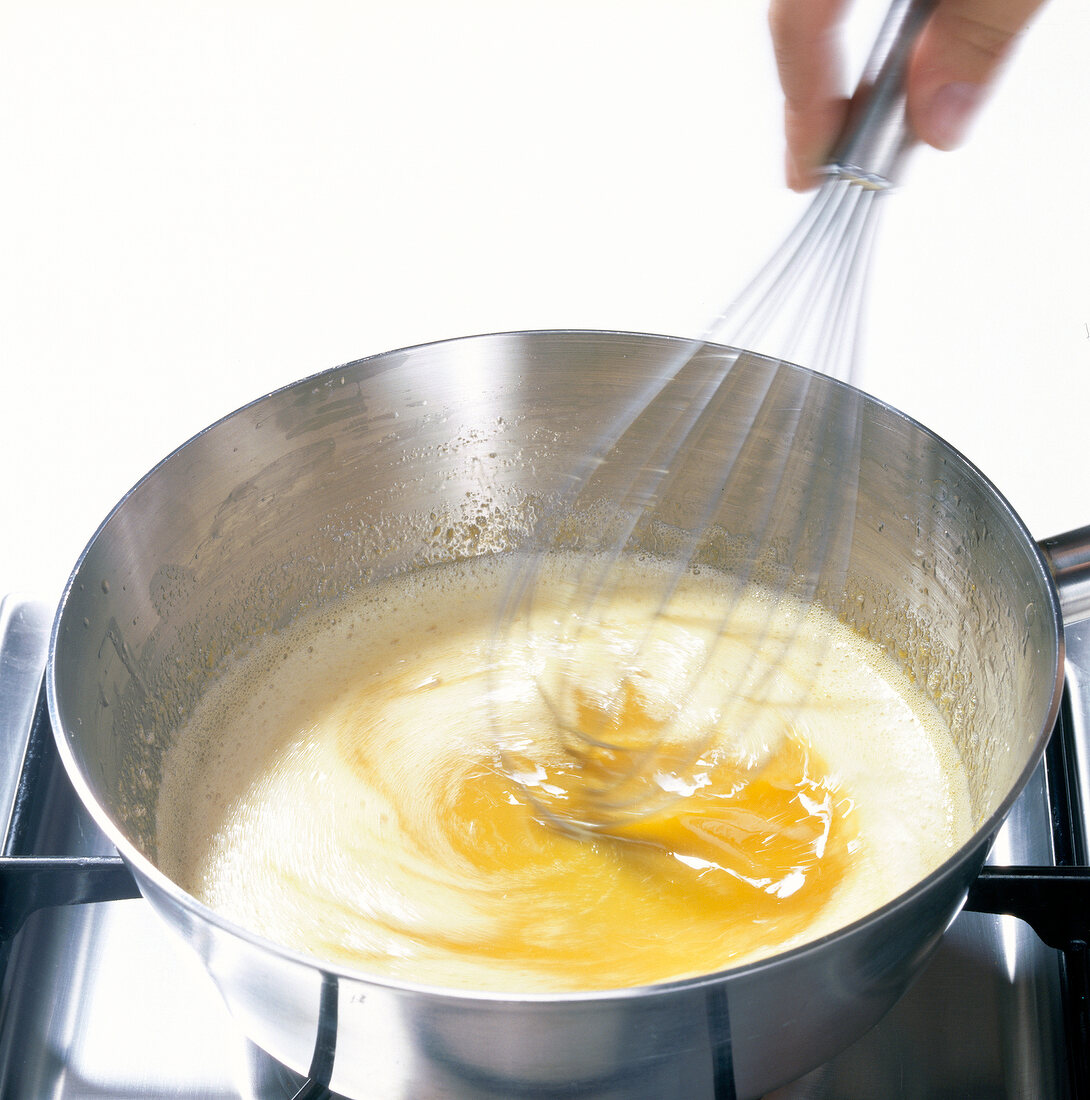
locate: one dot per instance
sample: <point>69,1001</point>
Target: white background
<point>202,201</point>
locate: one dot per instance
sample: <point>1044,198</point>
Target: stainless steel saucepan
<point>451,450</point>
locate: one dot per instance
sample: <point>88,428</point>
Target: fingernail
<point>947,116</point>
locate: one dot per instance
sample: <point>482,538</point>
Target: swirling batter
<point>347,792</point>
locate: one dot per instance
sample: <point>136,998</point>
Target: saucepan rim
<point>144,869</point>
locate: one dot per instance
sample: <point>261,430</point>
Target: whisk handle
<point>877,133</point>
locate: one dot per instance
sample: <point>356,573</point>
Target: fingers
<point>955,60</point>
<point>805,40</point>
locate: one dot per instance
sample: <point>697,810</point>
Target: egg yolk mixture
<point>380,788</point>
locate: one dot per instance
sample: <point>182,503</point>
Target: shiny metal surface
<point>451,449</point>
<point>985,1017</point>
<point>103,1001</point>
<point>877,135</point>
<point>1077,636</point>
<point>1069,558</point>
<point>24,640</point>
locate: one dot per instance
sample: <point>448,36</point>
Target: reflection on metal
<point>24,633</point>
<point>1007,930</point>
<point>130,1012</point>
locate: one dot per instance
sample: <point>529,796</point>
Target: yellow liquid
<point>349,794</point>
<point>749,860</point>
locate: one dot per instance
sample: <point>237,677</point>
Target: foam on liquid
<point>347,792</point>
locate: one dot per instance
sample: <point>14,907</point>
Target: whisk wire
<point>701,406</point>
<point>718,434</point>
<point>820,265</point>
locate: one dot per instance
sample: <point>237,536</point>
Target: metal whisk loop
<point>788,466</point>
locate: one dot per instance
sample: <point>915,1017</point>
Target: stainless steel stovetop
<point>99,1000</point>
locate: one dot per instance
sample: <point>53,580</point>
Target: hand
<point>955,59</point>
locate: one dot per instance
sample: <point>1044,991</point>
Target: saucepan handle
<point>877,135</point>
<point>1068,556</point>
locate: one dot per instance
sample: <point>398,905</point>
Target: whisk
<point>790,463</point>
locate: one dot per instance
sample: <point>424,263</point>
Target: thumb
<point>956,59</point>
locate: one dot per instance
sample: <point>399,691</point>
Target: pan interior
<point>457,450</point>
